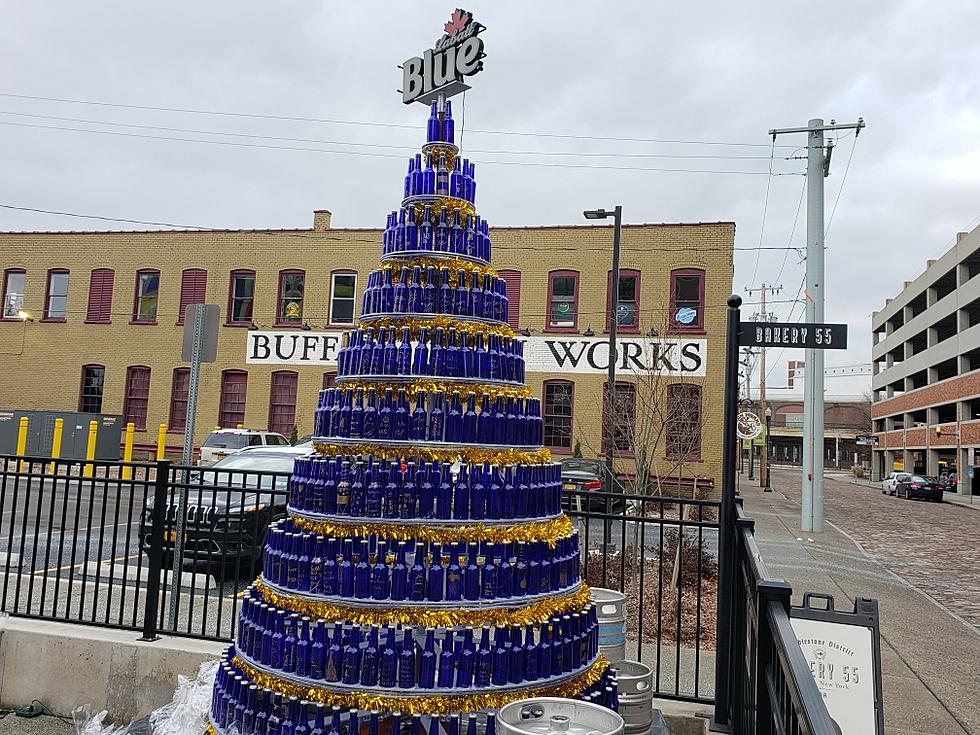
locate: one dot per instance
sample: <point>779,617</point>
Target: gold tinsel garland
<point>547,531</point>
<point>531,614</point>
<point>450,203</point>
<point>415,323</point>
<point>448,387</point>
<point>436,261</point>
<point>209,729</point>
<point>433,704</point>
<point>463,453</point>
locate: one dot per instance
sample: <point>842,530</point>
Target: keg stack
<point>425,571</point>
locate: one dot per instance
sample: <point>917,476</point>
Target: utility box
<point>74,433</point>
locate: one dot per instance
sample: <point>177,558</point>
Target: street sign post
<point>803,335</point>
<point>200,344</point>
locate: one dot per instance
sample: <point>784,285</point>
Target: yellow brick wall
<point>41,362</point>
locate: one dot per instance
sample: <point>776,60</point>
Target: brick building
<point>106,319</point>
<point>926,364</point>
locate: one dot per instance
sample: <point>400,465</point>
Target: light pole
<point>617,215</point>
<point>768,486</point>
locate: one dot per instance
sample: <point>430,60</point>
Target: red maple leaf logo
<point>460,19</point>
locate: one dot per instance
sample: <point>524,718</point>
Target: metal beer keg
<point>635,696</point>
<point>554,716</point>
<point>611,612</point>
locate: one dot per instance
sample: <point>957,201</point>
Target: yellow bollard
<point>239,426</point>
<point>127,471</point>
<point>59,426</point>
<point>93,433</point>
<point>161,442</point>
<point>22,441</point>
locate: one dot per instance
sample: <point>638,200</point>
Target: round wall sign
<point>748,425</point>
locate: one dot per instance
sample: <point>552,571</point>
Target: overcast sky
<point>710,72</point>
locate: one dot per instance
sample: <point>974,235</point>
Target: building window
<point>621,410</point>
<point>56,295</point>
<point>558,398</point>
<point>14,280</point>
<point>343,284</point>
<point>512,284</point>
<point>231,406</point>
<point>683,421</point>
<point>282,402</point>
<point>687,300</point>
<point>178,399</point>
<point>100,296</point>
<point>193,285</point>
<point>628,310</point>
<point>562,301</point>
<point>137,396</point>
<point>241,296</point>
<point>147,294</point>
<point>90,393</point>
<point>329,380</point>
<point>291,287</point>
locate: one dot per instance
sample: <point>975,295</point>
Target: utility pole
<point>747,363</point>
<point>762,290</point>
<point>817,168</point>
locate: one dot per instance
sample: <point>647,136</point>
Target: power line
<point>368,123</point>
<point>539,164</point>
<point>847,167</point>
<point>792,232</point>
<point>765,209</point>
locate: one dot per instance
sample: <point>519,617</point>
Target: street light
<point>617,215</point>
<point>768,487</point>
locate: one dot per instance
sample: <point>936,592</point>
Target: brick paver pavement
<point>933,546</point>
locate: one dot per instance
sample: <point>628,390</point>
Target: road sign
<point>969,473</point>
<point>803,335</point>
<point>209,328</point>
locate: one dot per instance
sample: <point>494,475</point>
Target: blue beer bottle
<point>469,431</point>
<point>432,135</point>
<point>461,305</point>
<point>384,416</point>
<point>406,662</point>
<point>436,418</point>
<point>456,235</point>
<point>445,293</point>
<point>419,423</point>
<point>471,580</point>
<point>442,232</point>
<point>415,291</point>
<point>427,492</point>
<point>399,574</point>
<point>345,570</point>
<point>416,574</point>
<point>428,177</point>
<point>425,230</point>
<point>400,417</point>
<point>444,493</point>
<point>388,677</point>
<point>429,292</point>
<point>403,362</point>
<point>442,176</point>
<point>380,582</point>
<point>454,420</point>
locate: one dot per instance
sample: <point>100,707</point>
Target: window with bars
<point>14,281</point>
<point>687,300</point>
<point>558,403</point>
<point>292,285</point>
<point>56,296</point>
<point>343,285</point>
<point>137,396</point>
<point>90,391</point>
<point>628,308</point>
<point>147,296</point>
<point>562,301</point>
<point>282,402</point>
<point>683,421</point>
<point>620,409</point>
<point>100,296</point>
<point>512,283</point>
<point>179,389</point>
<point>193,288</point>
<point>231,404</point>
<point>241,297</point>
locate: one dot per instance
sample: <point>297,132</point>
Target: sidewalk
<point>930,656</point>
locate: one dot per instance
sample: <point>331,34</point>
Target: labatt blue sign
<point>440,70</point>
<point>583,355</point>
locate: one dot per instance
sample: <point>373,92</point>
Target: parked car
<point>889,483</point>
<point>948,481</point>
<point>229,507</point>
<point>919,486</point>
<point>582,479</point>
<point>224,442</point>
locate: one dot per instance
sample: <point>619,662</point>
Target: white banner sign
<point>572,354</point>
<point>841,659</point>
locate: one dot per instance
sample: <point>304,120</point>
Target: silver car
<point>889,484</point>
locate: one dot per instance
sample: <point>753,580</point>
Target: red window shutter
<point>193,284</point>
<point>512,279</point>
<point>100,296</point>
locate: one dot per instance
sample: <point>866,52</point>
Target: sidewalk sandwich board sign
<point>844,653</point>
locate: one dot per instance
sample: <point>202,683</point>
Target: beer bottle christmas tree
<point>425,572</point>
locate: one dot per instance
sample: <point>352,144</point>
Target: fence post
<point>22,441</point>
<point>127,471</point>
<point>767,591</point>
<point>726,525</point>
<point>151,606</point>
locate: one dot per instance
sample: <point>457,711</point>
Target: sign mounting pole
<point>817,168</point>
